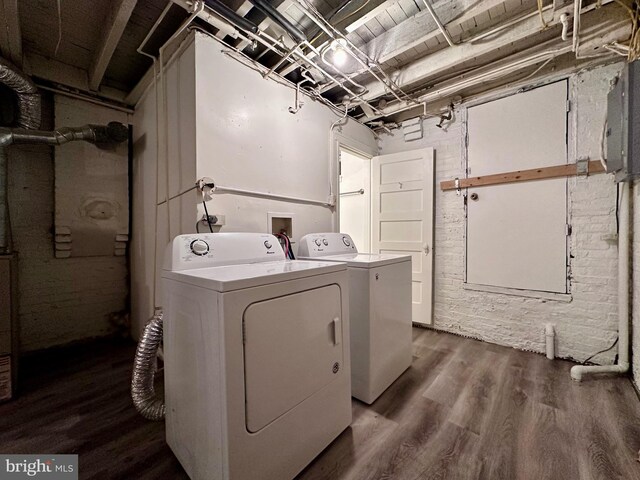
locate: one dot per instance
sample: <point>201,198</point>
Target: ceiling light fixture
<point>339,52</point>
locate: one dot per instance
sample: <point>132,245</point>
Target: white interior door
<point>402,219</point>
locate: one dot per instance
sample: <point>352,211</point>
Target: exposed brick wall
<point>586,324</point>
<point>60,300</point>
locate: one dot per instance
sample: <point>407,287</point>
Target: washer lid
<point>366,260</point>
<point>235,277</point>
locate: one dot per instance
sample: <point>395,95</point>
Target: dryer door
<point>292,349</point>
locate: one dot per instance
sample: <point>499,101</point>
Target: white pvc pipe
<point>624,252</point>
<point>441,27</point>
<point>577,5</point>
<point>564,20</point>
<point>550,339</point>
<point>273,196</point>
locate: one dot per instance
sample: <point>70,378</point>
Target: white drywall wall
<point>60,300</point>
<point>586,324</point>
<point>230,124</point>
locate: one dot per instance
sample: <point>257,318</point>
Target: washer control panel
<point>217,249</point>
<point>322,244</point>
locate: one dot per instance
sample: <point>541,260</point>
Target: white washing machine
<point>380,310</point>
<point>256,350</point>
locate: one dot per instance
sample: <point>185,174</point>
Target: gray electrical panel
<point>623,125</point>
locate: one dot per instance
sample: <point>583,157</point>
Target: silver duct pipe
<point>114,132</point>
<point>29,101</point>
<point>148,404</point>
<point>100,135</point>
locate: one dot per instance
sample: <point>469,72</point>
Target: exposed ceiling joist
<point>597,31</point>
<point>241,9</point>
<point>60,73</point>
<point>422,27</point>
<point>267,21</point>
<point>444,61</point>
<point>10,33</point>
<point>374,12</point>
<point>116,22</point>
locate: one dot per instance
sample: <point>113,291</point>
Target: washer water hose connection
<point>148,404</point>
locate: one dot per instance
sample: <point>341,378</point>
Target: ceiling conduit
<point>266,8</point>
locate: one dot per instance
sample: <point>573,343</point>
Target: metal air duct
<point>29,100</point>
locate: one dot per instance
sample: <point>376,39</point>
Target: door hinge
<point>568,229</point>
<point>568,106</point>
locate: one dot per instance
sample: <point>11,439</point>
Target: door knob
<point>425,248</point>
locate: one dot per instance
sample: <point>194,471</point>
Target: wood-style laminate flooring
<point>464,410</point>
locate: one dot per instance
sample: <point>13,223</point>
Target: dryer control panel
<point>321,244</point>
<point>203,250</point>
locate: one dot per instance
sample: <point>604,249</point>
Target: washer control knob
<point>267,244</point>
<point>317,242</point>
<point>325,242</point>
<point>200,247</point>
<point>346,241</point>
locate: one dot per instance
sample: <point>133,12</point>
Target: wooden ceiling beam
<point>422,27</point>
<point>117,20</point>
<point>10,33</point>
<point>447,60</point>
<point>371,14</point>
<point>597,31</point>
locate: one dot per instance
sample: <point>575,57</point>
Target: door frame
<point>339,142</point>
<point>570,154</point>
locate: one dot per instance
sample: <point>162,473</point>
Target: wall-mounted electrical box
<point>280,223</point>
<point>623,125</point>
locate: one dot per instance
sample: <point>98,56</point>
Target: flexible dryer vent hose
<point>148,404</point>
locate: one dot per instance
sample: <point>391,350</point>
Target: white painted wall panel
<point>586,324</point>
<point>516,234</point>
<point>244,138</point>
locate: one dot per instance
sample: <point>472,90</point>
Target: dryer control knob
<point>346,241</point>
<point>200,247</point>
<point>267,244</point>
<point>325,242</point>
<point>318,242</point>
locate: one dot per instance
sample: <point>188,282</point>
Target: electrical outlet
<point>216,220</point>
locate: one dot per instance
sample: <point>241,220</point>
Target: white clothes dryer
<point>256,350</point>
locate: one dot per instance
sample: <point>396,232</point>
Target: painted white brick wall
<point>635,328</point>
<point>586,324</point>
<point>60,300</point>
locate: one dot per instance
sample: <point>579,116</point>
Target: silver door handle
<point>425,248</point>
